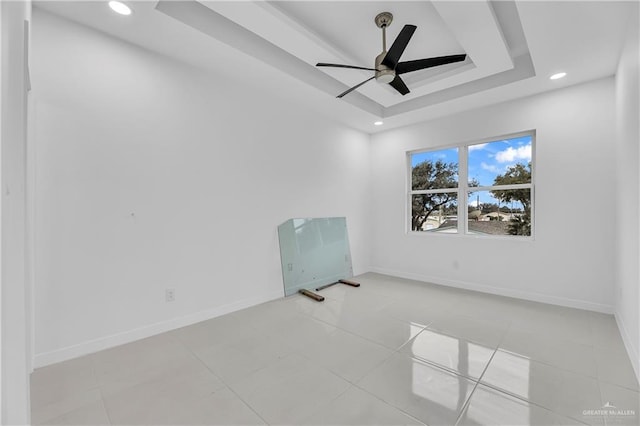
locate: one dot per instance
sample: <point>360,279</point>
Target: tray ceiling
<point>512,48</point>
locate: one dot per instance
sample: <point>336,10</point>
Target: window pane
<point>505,212</point>
<point>434,169</point>
<point>501,162</point>
<point>435,212</point>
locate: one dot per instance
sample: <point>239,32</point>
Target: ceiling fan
<point>387,68</point>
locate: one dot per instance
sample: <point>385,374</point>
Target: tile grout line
<point>226,385</point>
<point>390,405</point>
<point>293,352</point>
<point>508,393</point>
<point>544,363</point>
<point>468,401</point>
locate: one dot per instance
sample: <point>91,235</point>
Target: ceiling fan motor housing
<point>384,74</point>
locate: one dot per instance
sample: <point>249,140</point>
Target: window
<point>481,188</point>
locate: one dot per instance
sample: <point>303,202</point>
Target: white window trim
<point>463,188</point>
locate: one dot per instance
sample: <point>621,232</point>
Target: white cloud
<point>474,203</point>
<point>489,167</point>
<point>479,146</point>
<point>511,154</point>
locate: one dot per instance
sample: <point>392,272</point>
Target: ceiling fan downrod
<point>383,20</point>
<point>384,74</point>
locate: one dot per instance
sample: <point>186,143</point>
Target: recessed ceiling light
<point>557,76</point>
<point>120,8</point>
<point>378,123</point>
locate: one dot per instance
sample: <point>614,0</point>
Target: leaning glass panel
<point>435,212</point>
<point>499,212</point>
<point>314,252</point>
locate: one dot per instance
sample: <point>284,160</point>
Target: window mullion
<point>463,182</point>
<point>432,191</point>
<point>502,187</point>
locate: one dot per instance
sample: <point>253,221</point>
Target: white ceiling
<point>512,48</point>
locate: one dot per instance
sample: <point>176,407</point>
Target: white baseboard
<point>631,351</point>
<point>518,294</point>
<point>91,346</point>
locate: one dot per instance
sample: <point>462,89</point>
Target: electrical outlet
<point>169,295</point>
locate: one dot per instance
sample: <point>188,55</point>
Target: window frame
<point>464,188</point>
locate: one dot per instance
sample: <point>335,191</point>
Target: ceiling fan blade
<point>322,64</point>
<point>354,88</point>
<point>419,64</point>
<point>398,46</point>
<point>399,85</point>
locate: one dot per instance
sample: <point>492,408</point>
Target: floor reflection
<point>458,355</point>
<point>466,359</point>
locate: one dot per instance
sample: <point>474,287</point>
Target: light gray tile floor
<point>391,352</point>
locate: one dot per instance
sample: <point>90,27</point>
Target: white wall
<point>14,294</point>
<point>628,194</point>
<point>152,175</point>
<point>571,260</point>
